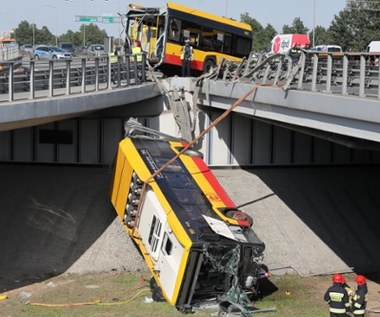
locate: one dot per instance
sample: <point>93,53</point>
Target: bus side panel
<point>172,254</point>
<point>162,247</point>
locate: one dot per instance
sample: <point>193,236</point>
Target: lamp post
<point>56,21</point>
<point>314,19</point>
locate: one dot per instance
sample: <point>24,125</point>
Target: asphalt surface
<point>57,219</point>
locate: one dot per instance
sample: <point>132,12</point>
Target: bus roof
<point>210,16</point>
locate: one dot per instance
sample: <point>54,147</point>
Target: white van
<point>327,48</point>
<point>374,46</point>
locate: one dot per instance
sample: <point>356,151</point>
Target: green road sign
<point>106,19</point>
<point>97,19</point>
<point>80,18</point>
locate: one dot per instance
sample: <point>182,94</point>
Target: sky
<point>59,15</point>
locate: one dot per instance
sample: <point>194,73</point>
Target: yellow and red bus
<point>198,246</point>
<point>162,34</point>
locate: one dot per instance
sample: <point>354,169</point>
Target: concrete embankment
<point>313,220</point>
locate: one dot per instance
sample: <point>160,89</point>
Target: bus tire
<point>209,63</point>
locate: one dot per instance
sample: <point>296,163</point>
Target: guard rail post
<point>68,74</point>
<point>128,69</point>
<point>315,72</point>
<point>96,73</point>
<point>378,80</point>
<point>83,75</point>
<point>345,75</point>
<point>109,73</point>
<point>135,68</point>
<point>302,70</point>
<point>51,79</point>
<point>11,82</point>
<point>118,71</point>
<point>362,76</point>
<point>143,67</point>
<point>329,74</point>
<point>32,85</point>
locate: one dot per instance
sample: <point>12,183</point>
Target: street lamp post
<point>56,21</point>
<point>314,19</point>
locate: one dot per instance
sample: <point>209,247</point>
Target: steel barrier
<point>64,77</point>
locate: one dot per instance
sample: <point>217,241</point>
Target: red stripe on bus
<point>214,182</point>
<point>175,60</point>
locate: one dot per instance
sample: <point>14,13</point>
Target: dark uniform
<point>337,298</point>
<point>359,301</point>
<point>186,58</point>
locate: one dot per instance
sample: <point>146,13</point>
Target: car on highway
<point>67,46</point>
<point>95,50</point>
<point>50,52</point>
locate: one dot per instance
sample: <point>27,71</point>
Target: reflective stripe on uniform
<point>336,297</point>
<point>337,310</point>
<point>359,312</point>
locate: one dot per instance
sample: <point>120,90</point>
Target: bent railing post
<point>11,82</point>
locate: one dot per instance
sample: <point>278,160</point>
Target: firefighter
<point>186,58</point>
<point>337,298</point>
<point>348,289</point>
<point>359,301</point>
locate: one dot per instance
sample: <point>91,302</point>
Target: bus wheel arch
<point>239,215</point>
<point>210,62</point>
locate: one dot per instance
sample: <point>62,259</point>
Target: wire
<point>95,302</point>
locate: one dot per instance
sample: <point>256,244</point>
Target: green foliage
<point>261,36</point>
<point>297,27</point>
<point>354,29</point>
<point>90,34</point>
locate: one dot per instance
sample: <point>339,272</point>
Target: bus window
<point>174,29</point>
<point>154,235</point>
<point>242,47</point>
<point>167,245</point>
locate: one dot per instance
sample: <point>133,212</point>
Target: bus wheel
<point>209,64</point>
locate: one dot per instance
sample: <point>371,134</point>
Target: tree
<point>321,36</point>
<point>261,36</point>
<point>354,29</point>
<point>297,27</point>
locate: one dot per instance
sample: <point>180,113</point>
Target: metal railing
<point>64,77</point>
<point>356,74</point>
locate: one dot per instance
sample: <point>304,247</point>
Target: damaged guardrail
<point>356,74</point>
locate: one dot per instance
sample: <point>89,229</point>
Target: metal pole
<point>314,21</point>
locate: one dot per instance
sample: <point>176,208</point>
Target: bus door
<point>170,259</point>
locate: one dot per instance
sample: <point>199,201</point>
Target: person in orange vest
<point>337,298</point>
<point>187,54</point>
<point>359,301</point>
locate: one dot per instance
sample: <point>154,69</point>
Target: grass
<point>125,294</point>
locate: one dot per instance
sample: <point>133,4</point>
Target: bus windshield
<point>163,33</point>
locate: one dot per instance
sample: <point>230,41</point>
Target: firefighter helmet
<point>360,279</point>
<point>337,278</point>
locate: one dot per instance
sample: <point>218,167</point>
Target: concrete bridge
<point>319,131</point>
